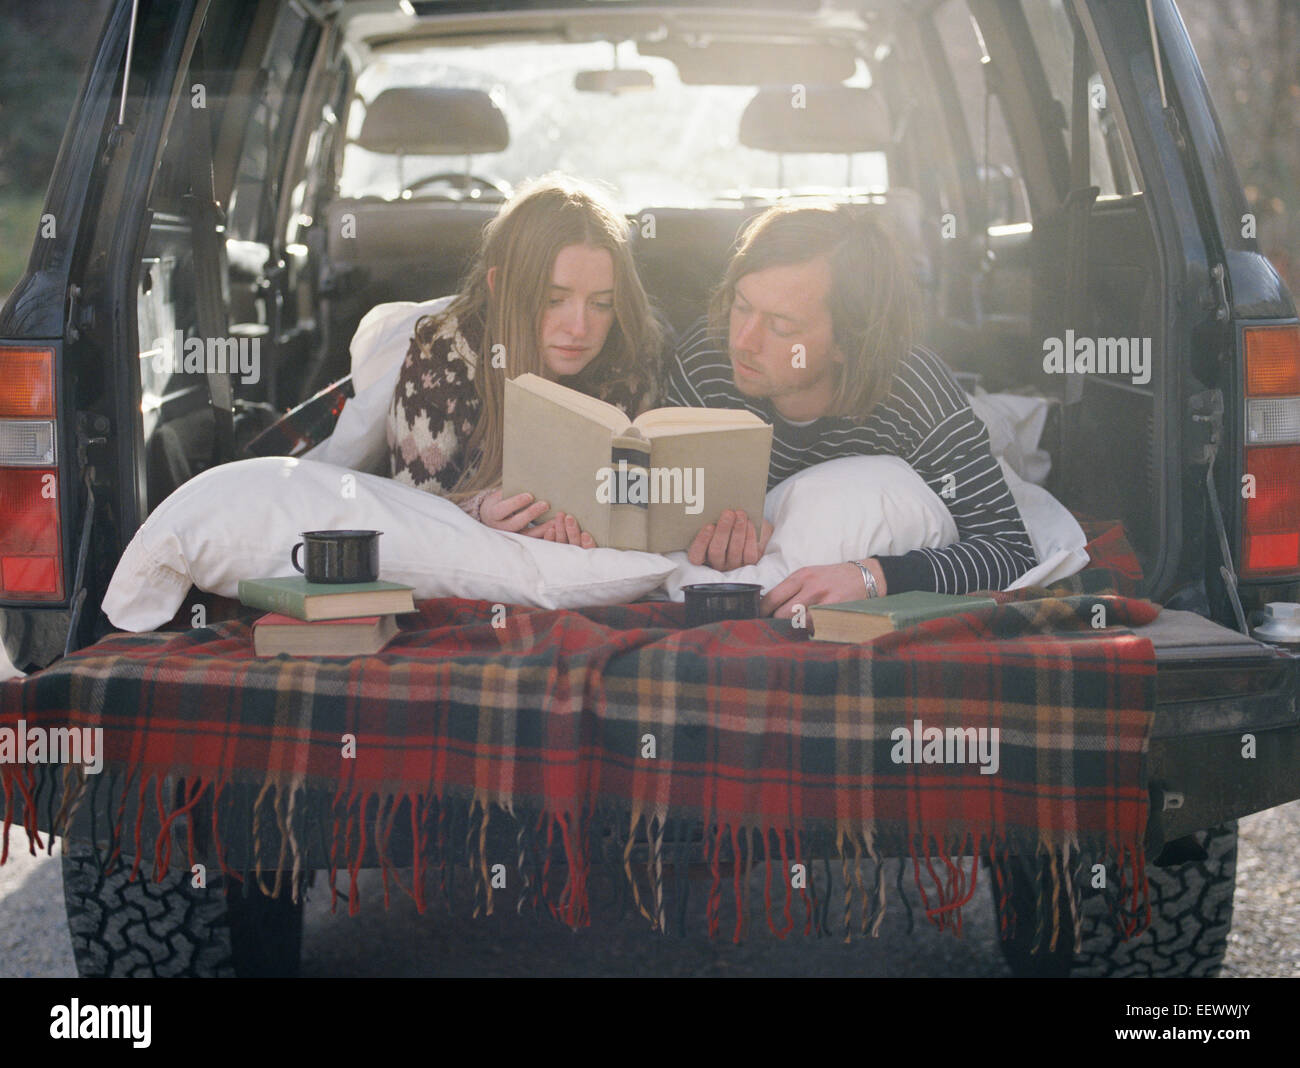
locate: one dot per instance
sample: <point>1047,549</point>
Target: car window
<point>1053,33</point>
<point>1053,36</point>
<point>253,198</point>
<point>995,156</point>
<point>674,144</point>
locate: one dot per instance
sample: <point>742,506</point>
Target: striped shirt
<point>926,421</point>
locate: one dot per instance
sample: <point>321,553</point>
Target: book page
<point>662,421</point>
<point>697,475</point>
<point>599,411</point>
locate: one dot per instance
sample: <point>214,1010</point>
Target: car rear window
<point>674,144</point>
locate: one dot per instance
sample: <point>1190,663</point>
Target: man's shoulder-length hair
<point>872,299</point>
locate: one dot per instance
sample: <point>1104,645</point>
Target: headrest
<point>432,121</point>
<point>834,118</point>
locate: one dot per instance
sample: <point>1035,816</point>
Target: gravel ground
<point>34,940</point>
<point>1265,940</point>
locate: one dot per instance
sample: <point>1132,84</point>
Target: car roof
<point>375,27</point>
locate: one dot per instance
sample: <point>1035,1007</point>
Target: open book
<point>647,484</point>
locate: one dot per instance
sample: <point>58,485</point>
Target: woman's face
<point>579,308</point>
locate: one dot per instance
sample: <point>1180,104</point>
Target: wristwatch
<point>868,578</point>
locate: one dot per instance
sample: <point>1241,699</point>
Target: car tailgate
<point>1226,737</point>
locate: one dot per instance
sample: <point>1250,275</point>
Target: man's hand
<point>826,584</point>
<point>729,543</point>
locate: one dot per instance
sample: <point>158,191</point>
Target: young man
<point>811,329</point>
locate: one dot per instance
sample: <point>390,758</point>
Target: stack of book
<point>316,619</point>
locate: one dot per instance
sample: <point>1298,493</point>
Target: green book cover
<point>312,601</point>
<point>845,621</point>
<point>905,609</point>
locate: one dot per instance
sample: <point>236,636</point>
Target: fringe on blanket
<point>645,856</point>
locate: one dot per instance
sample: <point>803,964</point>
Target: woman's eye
<point>603,307</point>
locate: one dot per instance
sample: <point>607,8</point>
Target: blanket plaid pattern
<point>617,721</point>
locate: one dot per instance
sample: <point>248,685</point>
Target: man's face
<point>774,311</point>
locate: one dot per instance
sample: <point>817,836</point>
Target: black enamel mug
<point>709,602</point>
<point>338,555</point>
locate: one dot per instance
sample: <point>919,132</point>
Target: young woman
<point>553,290</point>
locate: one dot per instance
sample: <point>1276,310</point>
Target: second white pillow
<point>860,506</point>
<point>843,509</point>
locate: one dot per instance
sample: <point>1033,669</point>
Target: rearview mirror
<point>618,80</point>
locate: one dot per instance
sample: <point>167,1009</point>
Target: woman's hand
<point>516,515</point>
<point>563,530</point>
<point>513,514</point>
<point>826,584</point>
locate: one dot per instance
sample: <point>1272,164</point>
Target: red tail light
<point>1270,543</point>
<point>1270,520</point>
<point>31,546</point>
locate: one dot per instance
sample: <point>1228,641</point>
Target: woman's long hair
<point>522,242</point>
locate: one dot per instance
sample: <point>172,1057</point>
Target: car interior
<point>355,159</point>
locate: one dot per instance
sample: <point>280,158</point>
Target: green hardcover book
<point>309,601</point>
<point>861,621</point>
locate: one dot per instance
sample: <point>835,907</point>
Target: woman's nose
<point>577,320</point>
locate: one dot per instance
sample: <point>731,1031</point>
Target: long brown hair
<point>872,301</point>
<point>522,242</point>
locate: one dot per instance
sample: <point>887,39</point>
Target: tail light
<point>31,553</point>
<point>1270,528</point>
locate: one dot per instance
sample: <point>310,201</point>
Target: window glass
<point>1050,26</point>
<point>1109,165</point>
<point>270,122</point>
<point>997,165</point>
<point>674,143</point>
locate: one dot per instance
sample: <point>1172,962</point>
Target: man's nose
<point>746,336</point>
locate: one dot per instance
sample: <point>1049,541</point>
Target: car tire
<point>171,929</point>
<point>1191,916</point>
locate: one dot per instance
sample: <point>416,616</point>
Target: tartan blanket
<point>615,724</point>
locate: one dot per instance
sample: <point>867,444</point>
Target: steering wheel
<point>459,180</point>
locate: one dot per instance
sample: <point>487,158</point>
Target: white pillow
<point>1015,425</point>
<point>842,509</point>
<point>241,520</point>
<point>859,506</point>
<point>1057,538</point>
<point>360,438</point>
